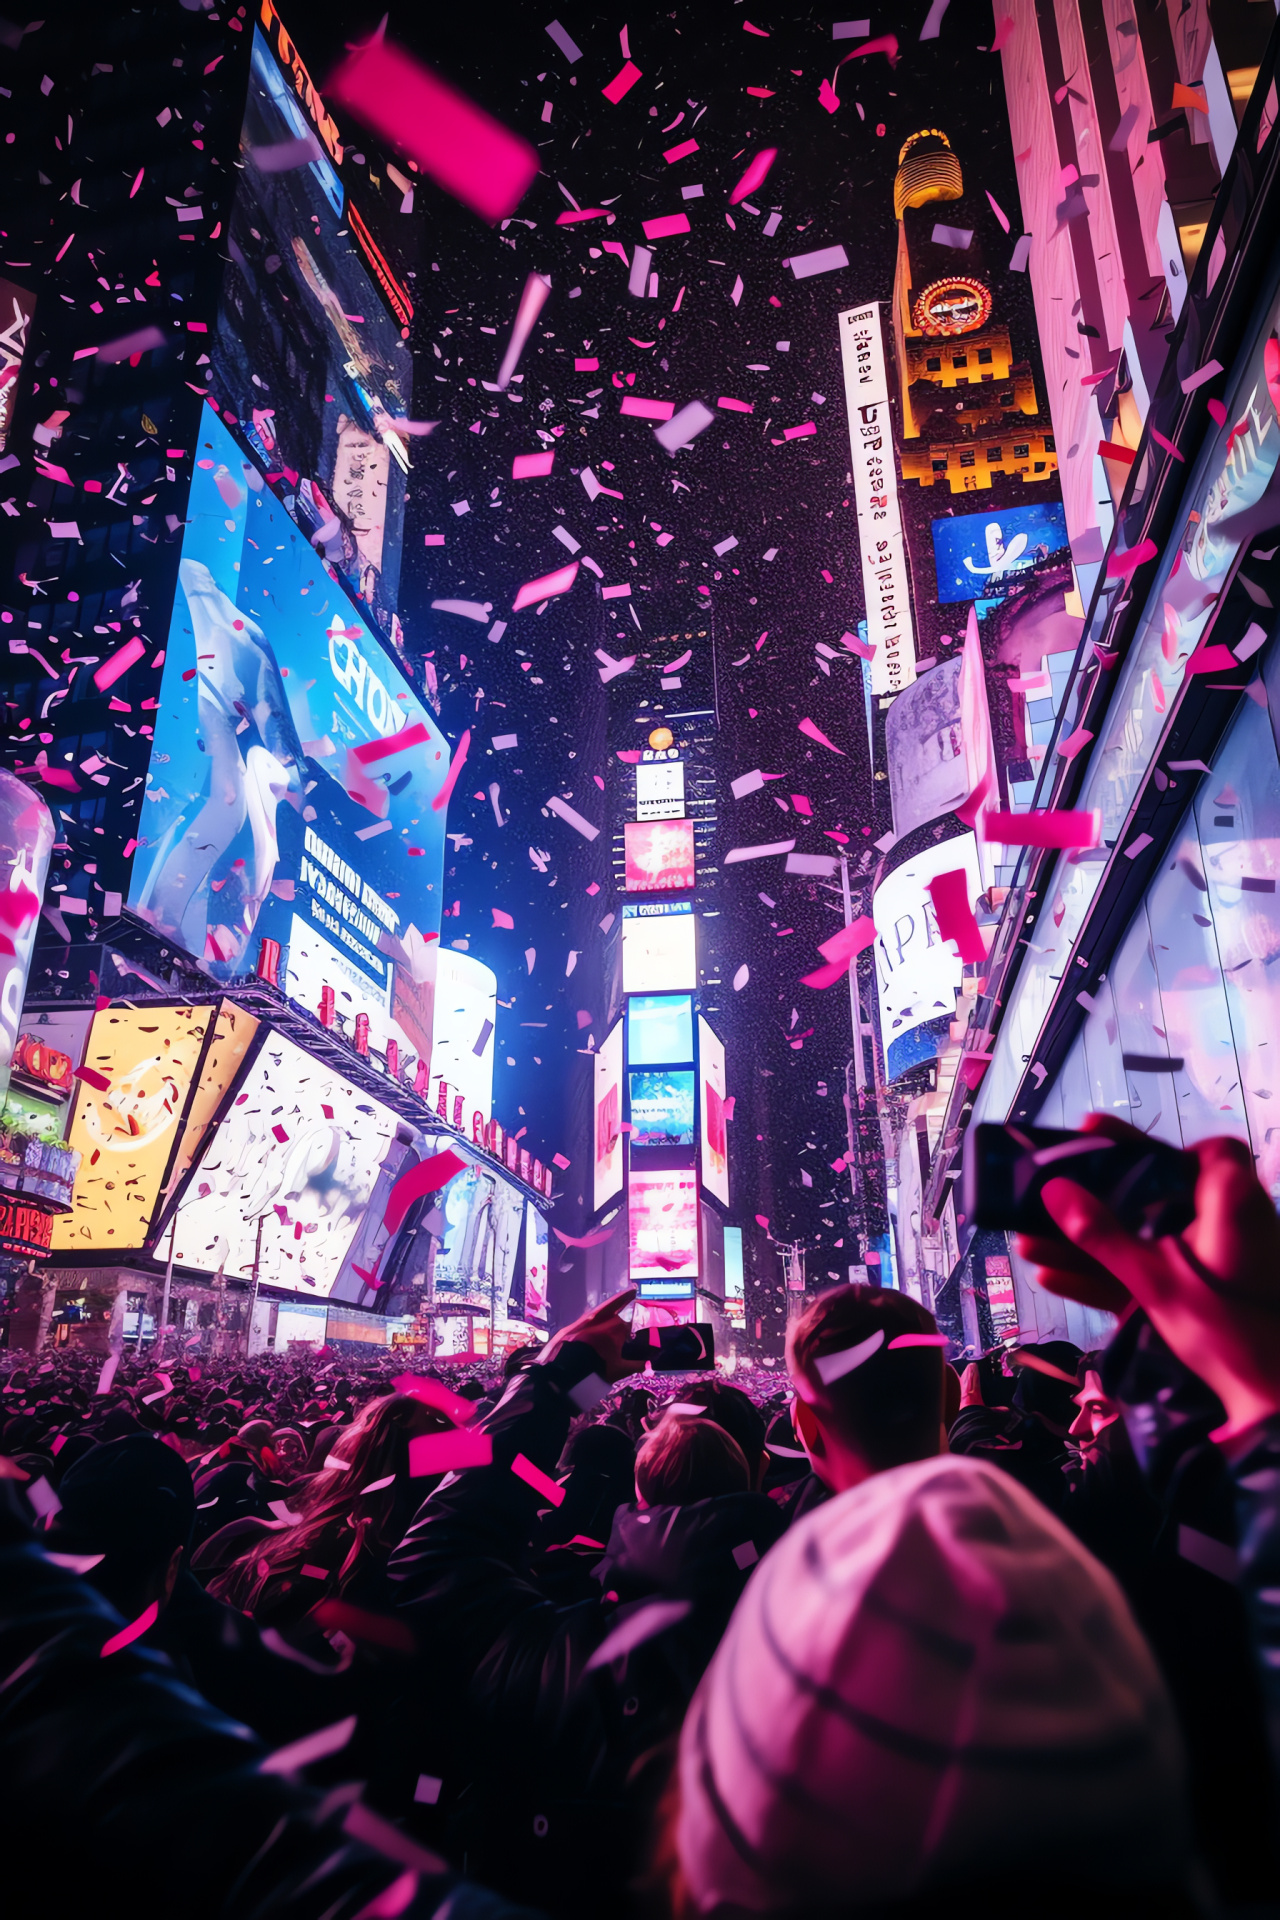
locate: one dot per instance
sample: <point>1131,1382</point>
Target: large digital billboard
<point>607,1107</point>
<point>293,767</point>
<point>662,1108</point>
<point>659,948</point>
<point>715,1139</point>
<point>664,1225</point>
<point>306,355</point>
<point>536,1252</point>
<point>659,1029</point>
<point>297,1154</point>
<point>466,1012</point>
<point>917,972</point>
<point>978,555</point>
<point>660,790</point>
<point>659,855</point>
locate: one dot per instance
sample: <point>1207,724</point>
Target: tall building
<point>237,1035</point>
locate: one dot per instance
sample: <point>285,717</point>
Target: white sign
<point>608,1119</point>
<point>918,972</point>
<point>875,489</point>
<point>660,791</point>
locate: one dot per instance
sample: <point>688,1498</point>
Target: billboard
<point>735,1285</point>
<point>664,1225</point>
<point>918,973</point>
<point>660,790</point>
<point>659,855</point>
<point>138,1070</point>
<point>924,748</point>
<point>875,490</point>
<point>978,555</point>
<point>659,1029</point>
<point>466,1012</point>
<point>27,837</point>
<point>293,768</point>
<point>662,1108</point>
<point>306,356</point>
<point>536,1249</point>
<point>659,949</point>
<point>607,1106</point>
<point>17,308</point>
<point>297,1155</point>
<point>715,1139</point>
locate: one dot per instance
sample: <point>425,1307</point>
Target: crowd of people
<point>322,1638</point>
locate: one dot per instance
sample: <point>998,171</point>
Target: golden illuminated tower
<point>927,170</point>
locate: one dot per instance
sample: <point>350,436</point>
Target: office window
<point>1022,451</point>
<point>934,363</point>
<point>959,359</point>
<point>994,455</point>
<point>969,458</point>
<point>939,466</point>
<point>984,356</point>
<point>1050,445</point>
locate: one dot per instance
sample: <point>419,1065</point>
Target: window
<point>934,363</point>
<point>959,359</point>
<point>969,458</point>
<point>1039,466</point>
<point>1006,399</point>
<point>939,466</point>
<point>1050,446</point>
<point>1022,450</point>
<point>994,455</point>
<point>987,376</point>
<point>984,356</point>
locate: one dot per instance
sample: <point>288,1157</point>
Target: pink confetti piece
<point>1215,659</point>
<point>584,1240</point>
<point>762,32</point>
<point>998,211</point>
<point>1044,827</point>
<point>434,1393</point>
<point>532,300</point>
<point>681,152</point>
<point>534,1477</point>
<point>641,409</point>
<point>138,182</point>
<point>431,1453</point>
<point>622,83</point>
<point>1071,746</point>
<point>1121,565</point>
<point>134,1631</point>
<point>917,1340</point>
<point>571,216</point>
<point>1201,374</point>
<point>762,851</point>
<point>546,588</point>
<point>501,919</point>
<point>532,466</point>
<point>956,921</point>
<point>644,1624</point>
<point>441,800</point>
<point>128,344</point>
<point>813,732</point>
<point>1217,412</point>
<point>664,226</point>
<point>1004,32</point>
<point>572,817</point>
<point>828,97</point>
<point>735,406</point>
<point>581,365</point>
<point>312,1746</point>
<point>1168,445</point>
<point>427,1177</point>
<point>849,942</point>
<point>755,175</point>
<point>469,154</point>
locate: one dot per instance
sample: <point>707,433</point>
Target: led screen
<point>662,1109</point>
<point>659,1029</point>
<point>659,855</point>
<point>261,806</point>
<point>138,1070</point>
<point>607,1178</point>
<point>659,953</point>
<point>299,1151</point>
<point>715,1139</point>
<point>660,790</point>
<point>306,355</point>
<point>917,972</point>
<point>735,1288</point>
<point>466,1009</point>
<point>978,555</point>
<point>535,1265</point>
<point>664,1225</point>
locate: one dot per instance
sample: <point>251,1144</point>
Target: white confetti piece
<point>822,260</point>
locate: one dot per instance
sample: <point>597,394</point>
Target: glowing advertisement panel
<point>735,1286</point>
<point>659,947</point>
<point>659,855</point>
<point>978,556</point>
<point>466,1011</point>
<point>306,355</point>
<point>662,1108</point>
<point>607,1105</point>
<point>875,490</point>
<point>299,1150</point>
<point>659,1029</point>
<point>128,1116</point>
<point>660,790</point>
<point>293,767</point>
<point>715,1138</point>
<point>918,973</point>
<point>664,1225</point>
<point>536,1238</point>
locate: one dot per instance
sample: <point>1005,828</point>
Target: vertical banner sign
<point>16,309</point>
<point>875,489</point>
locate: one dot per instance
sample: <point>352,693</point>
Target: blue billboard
<point>659,1028</point>
<point>293,767</point>
<point>978,556</point>
<point>662,1109</point>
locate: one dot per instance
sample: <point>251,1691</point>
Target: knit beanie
<point>926,1675</point>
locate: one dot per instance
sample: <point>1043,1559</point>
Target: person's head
<point>519,1358</point>
<point>686,1458</point>
<point>926,1678</point>
<point>731,1409</point>
<point>252,1437</point>
<point>132,1502</point>
<point>1096,1410</point>
<point>290,1449</point>
<point>867,1367</point>
<point>606,1450</point>
<point>1046,1376</point>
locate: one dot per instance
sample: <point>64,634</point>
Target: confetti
<point>431,1453</point>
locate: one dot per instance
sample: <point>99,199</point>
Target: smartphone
<point>1150,1187</point>
<point>684,1349</point>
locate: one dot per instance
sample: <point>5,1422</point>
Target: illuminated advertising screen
<point>662,1108</point>
<point>536,1237</point>
<point>918,974</point>
<point>17,308</point>
<point>607,1179</point>
<point>924,748</point>
<point>293,767</point>
<point>715,1139</point>
<point>659,951</point>
<point>306,355</point>
<point>977,555</point>
<point>137,1074</point>
<point>735,1286</point>
<point>466,1010</point>
<point>664,1225</point>
<point>659,1029</point>
<point>659,855</point>
<point>660,790</point>
<point>299,1151</point>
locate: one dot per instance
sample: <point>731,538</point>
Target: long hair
<point>346,1513</point>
